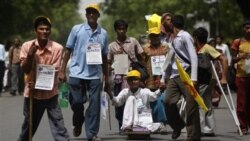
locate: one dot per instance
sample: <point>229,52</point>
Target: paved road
<point>11,119</point>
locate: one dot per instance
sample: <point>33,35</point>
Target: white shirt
<point>145,94</point>
<point>2,53</point>
<point>183,44</point>
<point>225,51</point>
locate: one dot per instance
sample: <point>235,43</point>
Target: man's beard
<point>247,35</point>
<point>168,29</point>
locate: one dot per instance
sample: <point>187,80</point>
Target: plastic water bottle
<point>63,94</point>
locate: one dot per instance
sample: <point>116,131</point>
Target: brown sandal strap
<point>95,138</point>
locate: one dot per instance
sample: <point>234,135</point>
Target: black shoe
<point>77,131</point>
<point>176,134</point>
<point>13,93</point>
<point>207,134</point>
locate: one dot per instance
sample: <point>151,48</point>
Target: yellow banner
<point>190,86</point>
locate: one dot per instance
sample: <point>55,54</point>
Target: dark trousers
<point>2,70</point>
<point>55,117</point>
<point>118,110</point>
<point>243,101</point>
<point>175,88</point>
<point>17,78</point>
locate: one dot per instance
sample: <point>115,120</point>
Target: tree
<point>229,15</point>
<point>17,16</point>
<point>244,6</point>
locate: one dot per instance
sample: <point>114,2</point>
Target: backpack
<point>204,68</point>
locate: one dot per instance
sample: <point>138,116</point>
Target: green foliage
<point>133,11</point>
<point>17,17</point>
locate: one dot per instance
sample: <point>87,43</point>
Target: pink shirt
<point>50,55</point>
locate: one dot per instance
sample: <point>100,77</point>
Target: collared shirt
<point>2,53</point>
<point>129,46</point>
<point>50,55</point>
<point>80,36</point>
<point>14,52</point>
<point>183,43</point>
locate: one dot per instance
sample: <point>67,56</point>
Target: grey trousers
<point>55,117</point>
<point>175,88</point>
<point>17,78</point>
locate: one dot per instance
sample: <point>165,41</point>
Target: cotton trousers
<point>175,88</point>
<point>55,117</point>
<point>79,88</point>
<point>207,119</point>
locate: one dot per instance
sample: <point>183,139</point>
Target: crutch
<point>230,106</point>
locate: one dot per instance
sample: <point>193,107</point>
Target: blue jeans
<point>158,109</point>
<point>79,88</point>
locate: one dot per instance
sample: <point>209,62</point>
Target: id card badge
<point>157,63</point>
<point>94,54</point>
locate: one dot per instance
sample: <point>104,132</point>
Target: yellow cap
<point>93,6</point>
<point>134,73</point>
<point>154,24</point>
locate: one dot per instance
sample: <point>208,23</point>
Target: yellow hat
<point>93,6</point>
<point>134,73</point>
<point>154,24</point>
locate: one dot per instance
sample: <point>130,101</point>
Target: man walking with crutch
<point>205,81</point>
<point>40,61</point>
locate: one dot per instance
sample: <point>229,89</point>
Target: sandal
<point>95,138</point>
<point>128,129</point>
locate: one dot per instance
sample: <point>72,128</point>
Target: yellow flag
<point>189,84</point>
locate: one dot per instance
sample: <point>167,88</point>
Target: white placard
<point>121,64</point>
<point>145,118</point>
<point>156,64</point>
<point>45,75</point>
<point>94,54</point>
